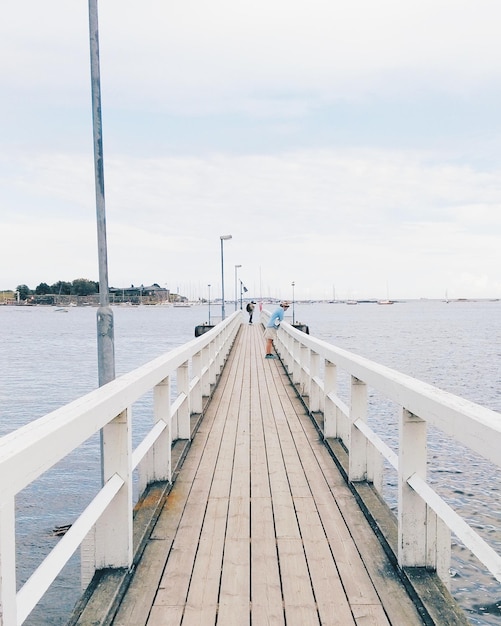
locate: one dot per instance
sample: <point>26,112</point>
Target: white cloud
<point>201,57</point>
<point>355,219</point>
<point>354,144</point>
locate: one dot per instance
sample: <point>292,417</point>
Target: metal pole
<point>293,313</point>
<point>222,238</point>
<point>105,338</point>
<point>236,293</point>
<point>209,303</point>
<point>222,282</point>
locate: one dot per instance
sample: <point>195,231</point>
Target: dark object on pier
<point>202,329</point>
<point>59,531</point>
<point>302,327</point>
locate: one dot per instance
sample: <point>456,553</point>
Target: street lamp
<point>293,316</point>
<point>236,296</point>
<point>105,334</point>
<point>222,238</point>
<point>209,303</point>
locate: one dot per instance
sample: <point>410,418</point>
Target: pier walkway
<point>260,526</point>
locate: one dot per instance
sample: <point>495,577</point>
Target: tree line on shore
<point>77,287</point>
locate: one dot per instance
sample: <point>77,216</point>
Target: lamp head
<point>224,237</point>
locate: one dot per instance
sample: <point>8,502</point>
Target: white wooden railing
<point>425,520</point>
<point>33,449</point>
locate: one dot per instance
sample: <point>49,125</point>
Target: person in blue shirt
<point>270,333</point>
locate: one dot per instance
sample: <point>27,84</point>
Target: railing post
<point>114,546</point>
<point>296,364</point>
<point>161,469</point>
<point>206,372</point>
<point>314,374</point>
<point>438,541</point>
<point>212,366</point>
<point>288,357</point>
<point>330,409</point>
<point>218,356</point>
<point>8,605</point>
<point>156,465</point>
<point>411,508</point>
<point>358,442</point>
<point>196,394</point>
<point>184,412</point>
<point>304,373</point>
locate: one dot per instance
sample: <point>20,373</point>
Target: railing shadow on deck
<point>105,529</point>
<point>419,535</point>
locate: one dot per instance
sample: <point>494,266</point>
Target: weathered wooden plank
<point>235,601</point>
<point>299,602</point>
<point>136,605</point>
<point>332,604</point>
<point>266,590</point>
<point>165,616</point>
<point>371,615</point>
<point>238,519</point>
<point>202,601</point>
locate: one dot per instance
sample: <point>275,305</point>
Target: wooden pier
<point>260,526</point>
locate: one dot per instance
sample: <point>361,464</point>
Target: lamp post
<point>209,303</point>
<point>222,238</point>
<point>293,316</point>
<point>105,335</point>
<point>236,296</point>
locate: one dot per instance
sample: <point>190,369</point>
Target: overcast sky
<point>351,147</point>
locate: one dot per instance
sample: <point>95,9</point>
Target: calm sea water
<point>49,359</point>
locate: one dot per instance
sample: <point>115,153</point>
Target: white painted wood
<point>377,443</point>
<point>411,508</point>
<point>8,605</point>
<point>114,546</point>
<point>296,364</point>
<point>425,522</point>
<point>330,411</point>
<point>46,573</point>
<point>206,372</point>
<point>438,545</point>
<point>87,558</point>
<point>358,443</point>
<point>342,413</point>
<point>303,369</point>
<point>161,449</point>
<point>104,530</point>
<point>459,527</point>
<point>314,391</point>
<point>475,426</point>
<point>196,393</point>
<point>146,446</point>
<point>184,412</point>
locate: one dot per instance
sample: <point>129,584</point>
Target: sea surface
<point>49,358</point>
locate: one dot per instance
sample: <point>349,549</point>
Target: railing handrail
<point>420,508</point>
<point>28,452</point>
<point>391,383</point>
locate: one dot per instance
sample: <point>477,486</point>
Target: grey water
<point>49,358</point>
